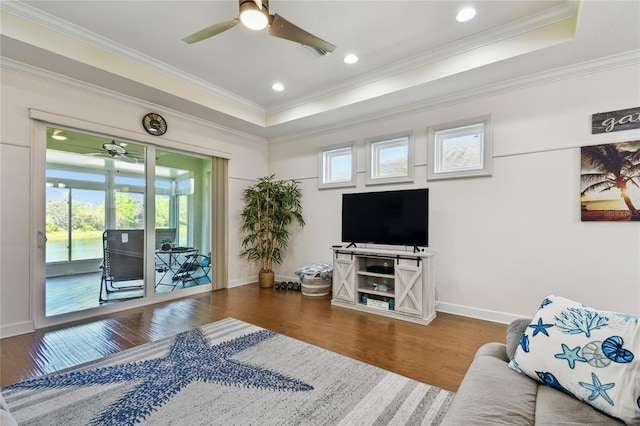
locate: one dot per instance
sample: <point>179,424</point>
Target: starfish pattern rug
<point>227,373</point>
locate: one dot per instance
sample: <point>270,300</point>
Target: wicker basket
<point>312,286</point>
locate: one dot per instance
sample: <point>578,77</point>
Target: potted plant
<point>166,244</point>
<point>270,207</point>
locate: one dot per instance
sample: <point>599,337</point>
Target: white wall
<point>502,242</point>
<point>24,88</point>
<point>506,241</point>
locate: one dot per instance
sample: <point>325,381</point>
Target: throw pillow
<point>515,330</point>
<point>590,354</point>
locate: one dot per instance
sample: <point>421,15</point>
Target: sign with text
<point>615,121</point>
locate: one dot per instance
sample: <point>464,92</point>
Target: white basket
<point>312,286</point>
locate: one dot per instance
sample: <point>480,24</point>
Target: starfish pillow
<point>590,354</point>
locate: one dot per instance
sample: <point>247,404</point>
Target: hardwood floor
<point>437,354</point>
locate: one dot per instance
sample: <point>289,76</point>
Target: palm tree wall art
<point>610,180</point>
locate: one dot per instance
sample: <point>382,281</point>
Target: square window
<point>337,166</point>
<point>390,160</point>
<point>460,149</point>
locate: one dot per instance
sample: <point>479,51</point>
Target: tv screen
<point>388,217</point>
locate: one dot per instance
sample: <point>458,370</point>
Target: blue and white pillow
<point>590,354</point>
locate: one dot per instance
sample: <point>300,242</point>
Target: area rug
<point>228,373</point>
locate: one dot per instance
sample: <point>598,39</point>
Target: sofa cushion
<point>556,408</point>
<point>590,354</point>
<point>492,394</point>
<point>515,330</point>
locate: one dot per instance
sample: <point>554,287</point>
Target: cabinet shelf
<point>369,289</point>
<point>375,274</point>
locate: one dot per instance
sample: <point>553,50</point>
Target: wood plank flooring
<point>437,354</point>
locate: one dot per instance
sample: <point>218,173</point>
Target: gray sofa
<point>491,393</point>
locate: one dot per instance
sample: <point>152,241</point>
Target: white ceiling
<point>411,53</point>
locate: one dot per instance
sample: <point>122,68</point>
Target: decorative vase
<point>266,279</point>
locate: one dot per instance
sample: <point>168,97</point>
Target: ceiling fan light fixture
<point>57,135</point>
<point>252,17</point>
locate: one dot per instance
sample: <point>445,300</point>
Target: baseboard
<point>17,328</point>
<point>251,280</point>
<point>287,279</point>
<point>241,282</point>
<point>449,308</point>
<point>477,313</point>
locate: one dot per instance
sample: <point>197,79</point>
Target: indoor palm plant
<point>270,207</point>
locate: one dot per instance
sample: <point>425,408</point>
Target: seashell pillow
<point>589,354</point>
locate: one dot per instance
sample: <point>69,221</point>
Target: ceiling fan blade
<point>282,28</point>
<point>211,31</point>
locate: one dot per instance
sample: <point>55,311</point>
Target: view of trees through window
<point>94,184</point>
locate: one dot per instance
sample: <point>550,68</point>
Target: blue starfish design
<point>550,380</point>
<point>540,328</point>
<point>571,355</point>
<point>190,359</point>
<point>524,343</point>
<point>598,389</point>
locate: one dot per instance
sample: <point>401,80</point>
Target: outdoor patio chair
<point>200,263</point>
<point>123,261</point>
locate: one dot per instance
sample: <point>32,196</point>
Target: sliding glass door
<point>96,216</point>
<point>183,218</point>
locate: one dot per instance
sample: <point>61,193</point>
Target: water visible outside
<point>57,251</point>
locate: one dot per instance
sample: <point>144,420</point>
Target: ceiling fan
<point>254,14</point>
<point>117,152</point>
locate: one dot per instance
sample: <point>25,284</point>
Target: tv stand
<point>352,245</point>
<point>392,283</point>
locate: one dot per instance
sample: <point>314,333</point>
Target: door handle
<point>42,239</point>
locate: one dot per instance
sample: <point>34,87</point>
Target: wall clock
<point>154,124</point>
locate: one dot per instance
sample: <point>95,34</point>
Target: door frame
<point>37,278</point>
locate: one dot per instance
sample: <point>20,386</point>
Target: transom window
<point>337,166</point>
<point>459,149</point>
<point>390,159</point>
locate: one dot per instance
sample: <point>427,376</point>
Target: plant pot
<point>266,279</point>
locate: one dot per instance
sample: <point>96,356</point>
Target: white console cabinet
<point>396,284</point>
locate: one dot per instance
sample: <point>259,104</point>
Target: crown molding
<point>631,58</point>
<point>564,11</point>
<point>485,38</point>
<point>29,71</point>
<point>43,19</point>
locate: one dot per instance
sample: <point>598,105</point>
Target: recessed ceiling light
<point>278,87</point>
<point>350,59</point>
<point>466,14</point>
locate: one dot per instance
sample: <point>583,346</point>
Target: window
<point>390,159</point>
<point>460,149</point>
<point>337,166</point>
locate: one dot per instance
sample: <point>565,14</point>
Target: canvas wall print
<point>610,182</point>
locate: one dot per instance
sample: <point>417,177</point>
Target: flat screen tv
<point>388,217</point>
